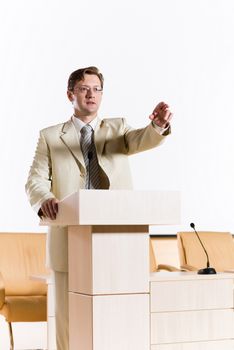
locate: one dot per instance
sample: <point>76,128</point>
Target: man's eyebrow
<point>89,85</point>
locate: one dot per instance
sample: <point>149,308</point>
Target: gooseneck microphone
<point>90,156</point>
<point>207,270</point>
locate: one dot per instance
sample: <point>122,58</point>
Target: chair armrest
<point>167,268</point>
<point>188,268</point>
<point>2,291</point>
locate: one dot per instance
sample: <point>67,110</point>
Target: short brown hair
<point>78,75</point>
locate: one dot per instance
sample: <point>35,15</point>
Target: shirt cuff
<point>159,129</point>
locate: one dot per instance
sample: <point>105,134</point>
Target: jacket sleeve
<point>38,186</point>
<point>139,140</point>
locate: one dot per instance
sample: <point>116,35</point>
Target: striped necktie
<point>88,149</point>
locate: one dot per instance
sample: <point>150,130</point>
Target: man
<point>84,152</point>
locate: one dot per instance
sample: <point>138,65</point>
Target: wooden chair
<point>154,266</point>
<point>22,299</point>
<point>219,247</point>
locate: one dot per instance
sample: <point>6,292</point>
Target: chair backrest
<point>219,247</point>
<point>163,251</point>
<point>22,255</point>
<point>153,263</point>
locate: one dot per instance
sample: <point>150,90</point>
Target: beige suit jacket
<point>58,167</point>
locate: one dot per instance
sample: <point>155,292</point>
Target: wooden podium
<point>109,307</point>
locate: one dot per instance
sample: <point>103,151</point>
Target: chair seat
<point>25,309</point>
<point>24,286</point>
<point>22,254</point>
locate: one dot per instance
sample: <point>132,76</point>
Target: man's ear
<point>70,95</point>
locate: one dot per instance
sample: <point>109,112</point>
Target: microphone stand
<point>207,270</point>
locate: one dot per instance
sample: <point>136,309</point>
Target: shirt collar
<point>79,123</point>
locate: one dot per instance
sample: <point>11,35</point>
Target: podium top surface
<point>164,276</point>
<point>118,207</point>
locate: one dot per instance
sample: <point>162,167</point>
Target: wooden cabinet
<point>108,303</point>
<point>109,322</point>
<point>108,246</point>
<point>190,311</point>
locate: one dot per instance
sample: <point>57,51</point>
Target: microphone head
<point>192,225</point>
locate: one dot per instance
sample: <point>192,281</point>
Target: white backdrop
<point>178,51</point>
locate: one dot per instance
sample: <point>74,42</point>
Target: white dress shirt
<point>79,124</point>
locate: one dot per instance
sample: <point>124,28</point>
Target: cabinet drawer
<point>176,327</point>
<point>209,345</point>
<point>191,295</point>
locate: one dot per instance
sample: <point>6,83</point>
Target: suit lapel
<point>100,134</point>
<point>70,138</point>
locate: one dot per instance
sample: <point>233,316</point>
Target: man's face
<point>86,96</point>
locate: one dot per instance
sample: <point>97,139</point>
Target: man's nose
<point>90,93</point>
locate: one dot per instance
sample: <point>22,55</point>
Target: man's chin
<point>91,110</point>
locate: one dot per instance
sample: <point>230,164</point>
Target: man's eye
<point>83,89</point>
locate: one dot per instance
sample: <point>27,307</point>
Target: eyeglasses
<point>86,89</point>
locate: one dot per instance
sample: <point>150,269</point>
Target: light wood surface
<point>199,325</point>
<point>188,276</point>
<point>102,263</point>
<point>80,322</point>
<point>109,264</point>
<point>188,295</point>
<point>211,345</point>
<point>80,259</point>
<point>191,311</point>
<point>114,207</point>
<point>109,322</point>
